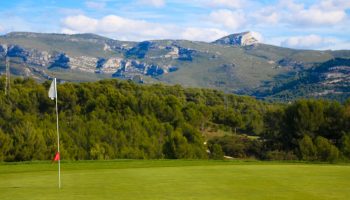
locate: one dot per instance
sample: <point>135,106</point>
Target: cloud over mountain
<point>308,42</point>
<point>231,20</point>
<point>115,26</point>
<point>130,29</point>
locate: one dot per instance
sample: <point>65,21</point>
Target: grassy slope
<point>253,66</point>
<point>203,71</point>
<point>175,180</point>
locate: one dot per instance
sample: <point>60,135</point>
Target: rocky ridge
<point>238,39</point>
<point>120,66</point>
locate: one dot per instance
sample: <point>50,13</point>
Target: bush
<point>238,146</point>
<point>325,150</point>
<point>216,152</point>
<point>280,155</point>
<point>307,148</point>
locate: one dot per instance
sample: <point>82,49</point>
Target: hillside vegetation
<point>113,119</point>
<point>328,80</point>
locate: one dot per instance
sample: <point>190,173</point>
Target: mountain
<point>236,63</point>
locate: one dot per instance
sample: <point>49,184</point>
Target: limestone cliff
<point>238,39</point>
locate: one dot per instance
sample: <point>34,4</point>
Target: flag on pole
<point>57,157</point>
<point>53,90</point>
<point>53,95</point>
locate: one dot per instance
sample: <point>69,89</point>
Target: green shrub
<point>280,155</point>
<point>216,152</point>
<point>325,150</point>
<point>307,148</point>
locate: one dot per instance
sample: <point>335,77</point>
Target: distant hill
<point>235,64</point>
<point>330,80</point>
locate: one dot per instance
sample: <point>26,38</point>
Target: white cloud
<point>228,3</point>
<point>70,11</point>
<point>315,16</point>
<point>203,34</point>
<point>308,42</point>
<point>231,20</point>
<point>267,15</point>
<point>322,13</point>
<point>155,3</point>
<point>114,26</point>
<point>136,30</point>
<point>80,23</point>
<point>95,4</point>
<point>15,23</point>
<point>334,4</point>
<point>289,5</point>
<point>341,45</point>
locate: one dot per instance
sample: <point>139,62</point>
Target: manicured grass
<point>168,179</point>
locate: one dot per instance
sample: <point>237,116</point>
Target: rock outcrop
<point>3,50</point>
<point>61,60</point>
<point>139,51</point>
<point>238,39</point>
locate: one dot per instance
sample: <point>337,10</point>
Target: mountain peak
<point>238,39</point>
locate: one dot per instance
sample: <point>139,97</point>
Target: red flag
<point>57,157</point>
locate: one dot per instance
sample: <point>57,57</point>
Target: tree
<point>307,148</point>
<point>302,117</point>
<point>119,119</point>
<point>176,146</point>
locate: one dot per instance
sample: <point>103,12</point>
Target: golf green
<point>174,179</point>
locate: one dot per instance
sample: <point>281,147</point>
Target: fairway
<point>174,179</point>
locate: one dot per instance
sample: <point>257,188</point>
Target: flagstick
<point>58,141</point>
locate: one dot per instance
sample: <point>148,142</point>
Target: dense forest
<point>113,119</point>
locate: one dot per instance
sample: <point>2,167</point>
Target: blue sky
<point>309,24</point>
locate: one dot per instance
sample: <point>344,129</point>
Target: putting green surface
<point>133,179</point>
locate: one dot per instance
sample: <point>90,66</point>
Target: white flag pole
<point>58,139</point>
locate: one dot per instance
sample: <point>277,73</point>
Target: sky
<point>308,24</point>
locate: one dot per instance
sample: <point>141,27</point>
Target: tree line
<point>113,119</point>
